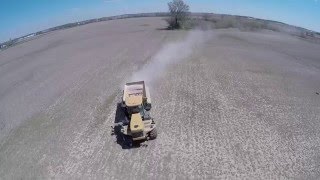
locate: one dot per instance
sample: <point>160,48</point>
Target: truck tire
<point>148,107</point>
<point>153,134</point>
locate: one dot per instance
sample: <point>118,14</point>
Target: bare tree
<point>179,12</point>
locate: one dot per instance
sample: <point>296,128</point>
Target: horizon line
<point>145,13</point>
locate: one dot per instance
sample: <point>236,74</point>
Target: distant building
<point>3,46</point>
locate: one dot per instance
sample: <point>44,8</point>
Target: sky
<point>21,17</point>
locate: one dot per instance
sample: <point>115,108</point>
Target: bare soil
<point>245,105</point>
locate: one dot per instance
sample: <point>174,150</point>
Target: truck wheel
<point>153,134</point>
<point>148,107</point>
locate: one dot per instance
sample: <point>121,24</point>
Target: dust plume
<point>169,54</point>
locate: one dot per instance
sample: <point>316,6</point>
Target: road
<point>235,105</point>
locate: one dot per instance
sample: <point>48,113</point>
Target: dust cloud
<point>170,54</point>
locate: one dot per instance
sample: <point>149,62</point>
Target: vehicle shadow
<point>124,141</point>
